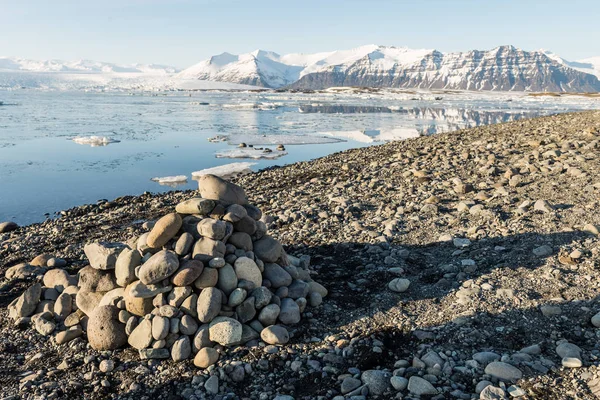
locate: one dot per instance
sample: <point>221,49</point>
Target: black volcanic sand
<point>365,217</point>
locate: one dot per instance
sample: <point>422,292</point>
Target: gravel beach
<point>463,265</point>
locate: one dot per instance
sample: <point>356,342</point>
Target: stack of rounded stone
<point>205,276</point>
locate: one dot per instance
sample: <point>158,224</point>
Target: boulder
<point>225,331</point>
<point>215,188</point>
<point>103,255</point>
<point>268,249</point>
<point>158,267</point>
<point>125,266</point>
<point>104,330</point>
<point>164,230</point>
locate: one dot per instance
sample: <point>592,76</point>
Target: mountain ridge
<point>504,68</point>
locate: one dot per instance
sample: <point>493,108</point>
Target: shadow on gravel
<point>430,314</point>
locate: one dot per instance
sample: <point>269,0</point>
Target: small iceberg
<point>262,140</point>
<point>94,141</point>
<point>251,152</point>
<point>226,171</point>
<point>172,181</point>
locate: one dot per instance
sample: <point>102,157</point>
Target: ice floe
<point>376,135</point>
<point>94,141</point>
<point>250,152</point>
<point>226,171</point>
<point>172,181</point>
<point>262,140</point>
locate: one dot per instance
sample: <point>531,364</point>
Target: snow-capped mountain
<point>588,65</point>
<point>503,68</point>
<point>80,66</point>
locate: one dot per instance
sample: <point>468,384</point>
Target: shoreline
<point>367,216</point>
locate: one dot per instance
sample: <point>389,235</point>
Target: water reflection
<point>341,109</point>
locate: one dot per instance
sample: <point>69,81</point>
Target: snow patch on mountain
<point>81,66</point>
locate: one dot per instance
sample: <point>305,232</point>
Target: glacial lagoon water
<point>123,140</point>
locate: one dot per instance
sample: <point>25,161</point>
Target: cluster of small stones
<point>204,277</point>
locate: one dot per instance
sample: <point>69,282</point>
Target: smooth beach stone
<point>8,226</point>
<point>58,279</point>
<point>184,244</point>
<point>160,266</point>
<point>28,301</point>
<point>209,304</point>
<point>275,334</point>
<point>206,357</point>
<point>88,301</point>
<point>137,305</point>
<point>269,314</point>
<point>68,335</point>
<point>202,338</point>
<point>160,327</point>
<point>112,296</point>
<point>420,386</point>
<point>41,260</point>
<point>212,228</point>
<point>268,249</point>
<point>95,280</point>
<point>103,255</point>
<point>206,249</point>
<point>188,272</point>
<point>181,349</point>
<point>208,278</point>
<point>241,240</point>
<point>225,331</point>
<point>215,188</point>
<point>228,280</point>
<point>245,268</point>
<point>190,305</point>
<point>141,337</point>
<point>195,205</point>
<point>127,261</point>
<point>164,229</point>
<point>377,381</point>
<point>139,289</point>
<point>234,213</point>
<point>277,275</point>
<point>23,271</point>
<point>289,312</point>
<point>245,225</point>
<point>503,371</point>
<point>104,330</point>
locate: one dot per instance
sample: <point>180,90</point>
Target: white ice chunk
<point>226,171</point>
<point>376,135</point>
<point>262,140</point>
<point>250,153</point>
<point>94,141</point>
<point>170,180</point>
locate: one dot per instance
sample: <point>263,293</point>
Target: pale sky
<point>184,32</point>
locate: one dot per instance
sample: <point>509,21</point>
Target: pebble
<point>399,285</point>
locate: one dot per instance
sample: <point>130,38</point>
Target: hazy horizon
<point>181,32</point>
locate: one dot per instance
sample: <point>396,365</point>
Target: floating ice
<point>226,171</point>
<point>94,141</point>
<point>377,135</point>
<point>217,139</point>
<point>255,154</point>
<point>172,181</point>
<point>261,140</point>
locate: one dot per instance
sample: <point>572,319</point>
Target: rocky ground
<point>462,265</point>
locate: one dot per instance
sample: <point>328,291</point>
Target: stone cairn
<point>204,277</point>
